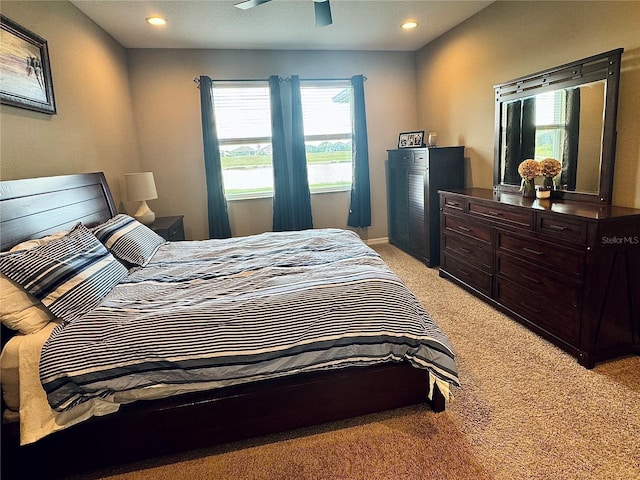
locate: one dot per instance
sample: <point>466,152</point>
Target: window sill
<point>234,197</point>
<point>256,196</point>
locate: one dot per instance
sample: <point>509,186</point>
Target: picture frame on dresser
<point>411,139</point>
<point>25,69</point>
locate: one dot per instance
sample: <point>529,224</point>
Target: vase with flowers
<point>529,169</point>
<point>549,168</point>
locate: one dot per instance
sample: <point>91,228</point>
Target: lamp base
<point>144,214</point>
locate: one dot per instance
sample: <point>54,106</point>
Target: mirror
<point>567,113</point>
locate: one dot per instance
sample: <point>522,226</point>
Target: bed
<point>142,405</point>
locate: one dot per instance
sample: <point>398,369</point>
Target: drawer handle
<point>531,279</point>
<point>464,272</point>
<point>453,204</point>
<point>495,214</point>
<point>464,229</point>
<point>558,227</point>
<point>534,309</point>
<point>465,250</point>
<point>530,250</point>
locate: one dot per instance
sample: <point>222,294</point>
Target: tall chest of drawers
<point>414,177</point>
<point>569,271</point>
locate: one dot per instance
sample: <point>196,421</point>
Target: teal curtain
<point>360,202</point>
<point>281,198</point>
<point>528,128</point>
<point>520,142</point>
<point>291,196</point>
<point>299,176</point>
<point>512,157</point>
<point>216,202</point>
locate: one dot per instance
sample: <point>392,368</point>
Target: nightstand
<point>169,228</point>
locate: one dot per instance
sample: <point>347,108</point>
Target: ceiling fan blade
<point>323,13</point>
<point>247,4</point>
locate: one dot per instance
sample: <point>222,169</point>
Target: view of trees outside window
<point>244,131</point>
<point>550,124</point>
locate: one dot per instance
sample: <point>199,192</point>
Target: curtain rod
<point>327,79</point>
<point>286,79</point>
<point>197,80</point>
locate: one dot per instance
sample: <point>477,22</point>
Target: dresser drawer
<point>540,310</point>
<point>463,226</point>
<point>420,158</point>
<point>453,203</point>
<point>472,276</point>
<point>408,157</point>
<point>562,228</point>
<point>169,228</point>
<point>477,253</point>
<point>502,213</point>
<point>543,254</point>
<point>175,232</point>
<point>564,293</point>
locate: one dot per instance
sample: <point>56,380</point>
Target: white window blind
<point>326,110</point>
<point>550,124</point>
<point>243,122</point>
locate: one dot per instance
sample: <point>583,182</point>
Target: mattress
<point>206,314</point>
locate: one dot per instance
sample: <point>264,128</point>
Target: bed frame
<point>36,207</point>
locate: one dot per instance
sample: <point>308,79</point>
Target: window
<point>550,124</point>
<point>242,111</point>
<point>326,108</point>
<point>244,132</point>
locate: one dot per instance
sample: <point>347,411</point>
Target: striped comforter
<point>221,312</point>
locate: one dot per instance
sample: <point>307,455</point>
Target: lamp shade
<point>140,186</point>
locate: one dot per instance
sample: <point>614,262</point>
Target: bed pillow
<point>128,240</point>
<point>38,241</point>
<point>20,310</point>
<point>70,275</point>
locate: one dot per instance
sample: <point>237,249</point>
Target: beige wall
<point>167,110</point>
<point>456,74</point>
<point>93,129</point>
<point>121,111</point>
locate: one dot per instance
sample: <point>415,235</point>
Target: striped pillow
<point>128,240</point>
<point>70,275</point>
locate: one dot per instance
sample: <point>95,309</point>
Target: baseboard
<point>377,241</point>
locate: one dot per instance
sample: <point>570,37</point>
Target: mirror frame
<point>605,66</point>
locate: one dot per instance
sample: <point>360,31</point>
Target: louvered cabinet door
<point>414,177</point>
<point>418,241</point>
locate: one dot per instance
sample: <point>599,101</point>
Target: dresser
<point>569,271</point>
<point>414,176</point>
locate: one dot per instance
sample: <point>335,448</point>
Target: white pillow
<point>9,359</point>
<point>38,241</point>
<point>20,310</point>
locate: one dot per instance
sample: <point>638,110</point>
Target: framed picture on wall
<point>25,71</point>
<point>411,139</point>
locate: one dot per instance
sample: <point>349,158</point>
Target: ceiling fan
<point>321,7</point>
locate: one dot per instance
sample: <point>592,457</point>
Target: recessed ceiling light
<point>157,21</point>
<point>409,25</point>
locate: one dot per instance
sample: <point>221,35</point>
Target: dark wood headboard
<point>35,207</point>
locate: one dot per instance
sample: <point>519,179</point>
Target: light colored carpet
<point>526,410</point>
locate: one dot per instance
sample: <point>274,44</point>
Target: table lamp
<point>141,187</point>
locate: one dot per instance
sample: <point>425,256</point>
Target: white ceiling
<point>279,24</point>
